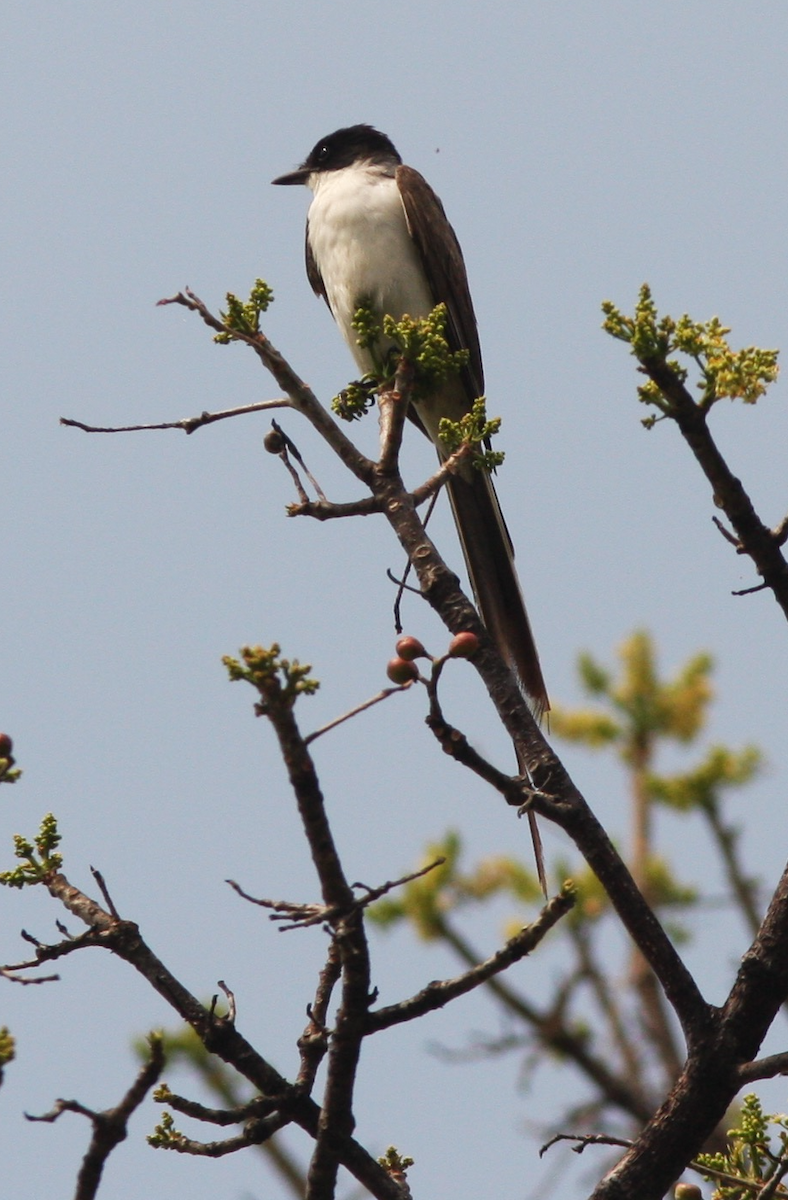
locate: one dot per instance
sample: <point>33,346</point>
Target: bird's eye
<point>323,152</point>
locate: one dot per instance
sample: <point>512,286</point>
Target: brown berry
<point>410,648</point>
<point>401,671</point>
<point>463,645</point>
<point>274,442</point>
<point>688,1191</point>
<point>6,745</point>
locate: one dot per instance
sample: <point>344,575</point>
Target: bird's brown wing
<point>312,269</point>
<point>444,267</point>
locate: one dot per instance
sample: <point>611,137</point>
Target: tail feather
<point>489,558</point>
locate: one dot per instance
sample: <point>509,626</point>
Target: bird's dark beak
<point>299,176</point>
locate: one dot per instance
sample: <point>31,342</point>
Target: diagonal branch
<point>439,993</point>
<point>555,796</point>
<point>713,1073</point>
<point>756,539</point>
<point>300,396</point>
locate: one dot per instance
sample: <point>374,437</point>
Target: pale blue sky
<point>579,150</point>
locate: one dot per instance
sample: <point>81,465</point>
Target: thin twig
<point>289,445</point>
<point>301,915</point>
<point>99,878</point>
<point>764,1068</point>
<point>8,973</point>
<point>744,889</point>
<point>187,424</point>
<point>313,1042</point>
<point>353,712</point>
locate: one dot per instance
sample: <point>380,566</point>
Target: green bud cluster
<point>244,316</point>
<point>353,401</point>
<point>38,858</point>
<point>475,430</point>
<point>736,374</point>
<point>165,1136</point>
<point>422,342</point>
<point>752,1155</point>
<point>365,324</point>
<point>278,680</point>
<point>7,1046</point>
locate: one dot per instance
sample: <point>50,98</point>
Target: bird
<point>377,235</point>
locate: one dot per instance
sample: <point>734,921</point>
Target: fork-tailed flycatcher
<point>377,235</point>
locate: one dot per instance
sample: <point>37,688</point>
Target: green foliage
<point>9,774</point>
<point>739,375</point>
<point>422,344</point>
<point>473,429</point>
<point>591,899</point>
<point>701,786</point>
<point>165,1136</point>
<point>7,760</point>
<point>636,712</point>
<point>592,729</point>
<point>420,900</point>
<point>395,1163</point>
<point>646,710</point>
<point>278,680</point>
<point>183,1045</point>
<point>643,707</point>
<point>38,858</point>
<point>665,891</point>
<point>354,401</point>
<point>753,1156</point>
<point>7,1046</point>
<point>243,317</point>
<point>366,326</point>
<point>7,1049</point>
<point>427,901</point>
<point>593,903</point>
<point>420,341</point>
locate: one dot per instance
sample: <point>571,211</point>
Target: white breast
<point>362,248</point>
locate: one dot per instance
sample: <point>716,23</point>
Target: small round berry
<point>688,1191</point>
<point>463,645</point>
<point>410,648</point>
<point>274,442</point>
<point>401,671</point>
<point>6,745</point>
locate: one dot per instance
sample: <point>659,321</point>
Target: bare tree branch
<point>110,1126</point>
<point>439,993</point>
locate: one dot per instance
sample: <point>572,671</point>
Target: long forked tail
<point>489,558</point>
